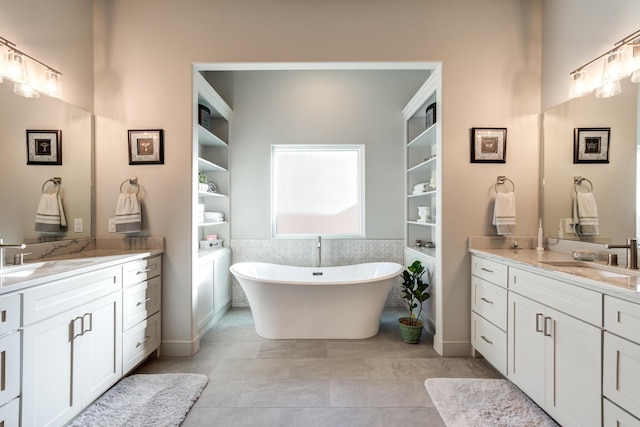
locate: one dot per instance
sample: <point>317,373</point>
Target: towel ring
<point>56,184</point>
<point>578,181</point>
<point>501,181</point>
<point>132,182</point>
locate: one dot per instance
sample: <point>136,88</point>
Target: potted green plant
<point>203,184</point>
<point>414,291</point>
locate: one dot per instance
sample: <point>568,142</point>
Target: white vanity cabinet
<point>554,346</point>
<point>71,345</point>
<point>141,300</point>
<point>10,356</point>
<point>213,285</point>
<point>621,376</point>
<point>489,311</point>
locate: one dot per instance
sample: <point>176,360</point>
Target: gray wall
<point>319,107</point>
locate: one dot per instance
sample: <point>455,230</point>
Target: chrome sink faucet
<point>4,246</point>
<point>319,253</point>
<point>632,252</point>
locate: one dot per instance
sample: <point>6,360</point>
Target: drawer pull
<point>90,328</point>
<point>147,338</point>
<point>547,330</point>
<point>143,302</point>
<point>3,370</point>
<point>486,300</point>
<point>486,339</point>
<point>3,316</point>
<point>486,269</point>
<point>146,270</point>
<point>538,317</point>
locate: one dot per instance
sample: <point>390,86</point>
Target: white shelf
<point>425,139</point>
<point>206,138</point>
<point>205,224</point>
<point>206,166</point>
<point>427,165</point>
<point>209,97</point>
<point>424,224</point>
<point>429,252</point>
<point>426,193</point>
<point>209,194</point>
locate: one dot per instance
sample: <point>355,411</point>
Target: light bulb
<point>52,83</point>
<point>15,67</point>
<point>615,67</point>
<point>580,85</point>
<point>25,90</point>
<point>609,89</point>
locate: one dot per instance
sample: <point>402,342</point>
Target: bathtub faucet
<point>319,252</point>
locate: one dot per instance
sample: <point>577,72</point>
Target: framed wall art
<point>146,147</point>
<point>488,145</point>
<point>591,145</point>
<point>44,147</point>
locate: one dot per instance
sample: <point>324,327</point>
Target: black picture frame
<point>44,147</point>
<point>591,145</point>
<point>430,115</point>
<point>488,145</point>
<point>146,147</point>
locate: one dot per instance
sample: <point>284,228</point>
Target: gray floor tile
<point>325,417</point>
<point>327,369</point>
<point>289,393</point>
<point>378,394</point>
<point>251,369</point>
<point>232,417</point>
<point>293,349</point>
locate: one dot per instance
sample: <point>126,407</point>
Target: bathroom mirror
<point>21,183</point>
<point>614,183</point>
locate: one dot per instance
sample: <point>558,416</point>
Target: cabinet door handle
<point>486,300</point>
<point>3,370</point>
<point>90,328</point>
<point>486,269</point>
<point>538,317</point>
<point>72,328</point>
<point>146,270</point>
<point>486,339</point>
<point>146,338</point>
<point>143,302</point>
<point>547,330</point>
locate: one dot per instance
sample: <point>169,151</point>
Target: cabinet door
<point>221,283</point>
<point>613,416</point>
<point>204,282</point>
<point>526,346</point>
<point>574,364</point>
<point>621,376</point>
<point>9,367</point>
<point>101,346</point>
<point>50,386</point>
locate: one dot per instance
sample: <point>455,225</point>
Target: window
<point>317,190</point>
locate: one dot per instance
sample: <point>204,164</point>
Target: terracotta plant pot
<point>410,333</point>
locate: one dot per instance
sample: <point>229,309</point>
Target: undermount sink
<point>26,270</point>
<point>594,271</point>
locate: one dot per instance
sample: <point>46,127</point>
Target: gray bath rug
<point>141,400</point>
<point>464,402</point>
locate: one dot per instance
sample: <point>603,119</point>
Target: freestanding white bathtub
<point>316,303</point>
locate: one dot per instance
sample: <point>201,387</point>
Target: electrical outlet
<point>568,226</point>
<point>77,225</point>
<point>112,225</point>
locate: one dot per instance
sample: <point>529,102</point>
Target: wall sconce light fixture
<point>615,67</point>
<point>30,76</point>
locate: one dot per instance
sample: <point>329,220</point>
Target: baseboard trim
<point>180,348</point>
<point>451,348</point>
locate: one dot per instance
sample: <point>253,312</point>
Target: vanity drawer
<point>10,414</point>
<point>9,313</point>
<point>10,357</point>
<point>575,301</point>
<point>59,296</point>
<point>622,318</point>
<point>140,341</point>
<point>139,271</point>
<point>489,301</point>
<point>490,341</point>
<point>490,271</point>
<point>616,417</point>
<point>621,373</point>
<point>140,301</point>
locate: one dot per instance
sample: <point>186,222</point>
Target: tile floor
<point>259,382</point>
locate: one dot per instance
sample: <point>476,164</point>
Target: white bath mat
<point>158,400</point>
<point>464,402</point>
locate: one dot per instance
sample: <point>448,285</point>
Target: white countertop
<point>59,267</point>
<point>627,287</point>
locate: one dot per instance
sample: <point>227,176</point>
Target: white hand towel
<point>128,214</point>
<point>585,214</point>
<point>504,213</point>
<point>420,187</point>
<point>50,216</point>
